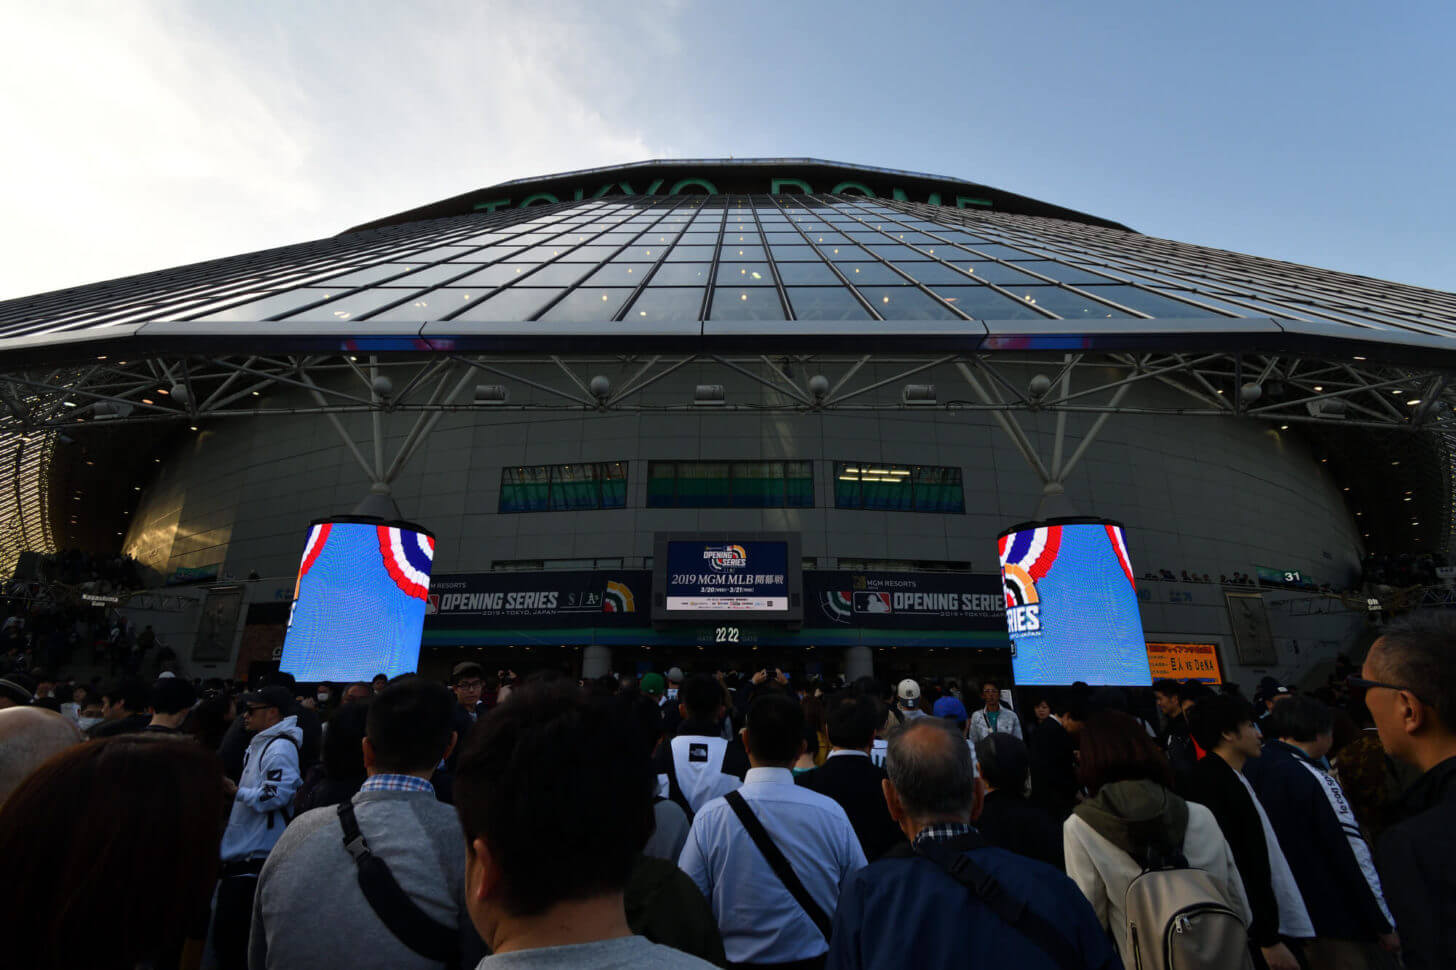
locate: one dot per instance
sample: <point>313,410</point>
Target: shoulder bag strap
<point>778,863</point>
<point>410,925</point>
<point>1013,912</point>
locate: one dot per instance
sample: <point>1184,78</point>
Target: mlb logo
<point>872,603</point>
<point>432,604</point>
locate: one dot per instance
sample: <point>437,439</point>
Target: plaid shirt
<point>942,830</point>
<point>388,782</point>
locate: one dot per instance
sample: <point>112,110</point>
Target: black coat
<point>854,783</point>
<point>1053,770</point>
<point>1215,786</point>
<point>1013,823</point>
<point>1417,861</point>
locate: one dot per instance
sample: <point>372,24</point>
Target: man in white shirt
<point>762,920</point>
<point>992,718</point>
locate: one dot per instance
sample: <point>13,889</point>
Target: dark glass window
<point>691,254</point>
<point>671,274</point>
<point>741,253</point>
<point>589,304</point>
<point>1066,304</point>
<point>744,274</point>
<point>984,303</point>
<point>1150,303</point>
<point>730,484</point>
<point>746,303</point>
<point>898,488</point>
<point>905,303</point>
<point>548,488</point>
<point>619,274</point>
<point>519,303</point>
<point>497,275</point>
<point>999,273</point>
<point>825,303</point>
<point>792,273</point>
<point>557,274</point>
<point>871,274</point>
<point>657,303</point>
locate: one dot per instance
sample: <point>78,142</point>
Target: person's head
<point>29,736</point>
<point>1074,714</point>
<point>1042,709</point>
<point>124,882</point>
<point>1416,713</point>
<point>907,694</point>
<point>1191,692</point>
<point>1223,723</point>
<point>357,693</point>
<point>991,695</point>
<point>930,777</point>
<point>1115,747</point>
<point>1165,694</point>
<point>378,682</point>
<point>468,679</point>
<point>674,676</point>
<point>343,744</point>
<point>556,803</point>
<point>851,720</point>
<point>774,731</point>
<point>323,693</point>
<point>173,695</point>
<point>1304,722</point>
<point>701,698</point>
<point>653,685</point>
<point>409,728</point>
<point>1004,762</point>
<point>266,707</point>
<point>16,690</point>
<point>123,698</point>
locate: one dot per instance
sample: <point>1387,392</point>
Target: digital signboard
<point>729,576</point>
<point>1071,604</point>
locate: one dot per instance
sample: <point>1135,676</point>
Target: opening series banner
<point>904,601</point>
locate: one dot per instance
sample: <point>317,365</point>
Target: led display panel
<point>1071,604</point>
<point>359,602</point>
<point>749,576</point>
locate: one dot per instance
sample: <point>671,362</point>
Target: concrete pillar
<point>858,662</point>
<point>595,662</point>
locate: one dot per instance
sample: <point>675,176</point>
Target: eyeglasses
<point>1363,684</point>
<point>470,684</point>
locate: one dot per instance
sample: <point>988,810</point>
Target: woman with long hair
<point>110,853</point>
<point>1132,818</point>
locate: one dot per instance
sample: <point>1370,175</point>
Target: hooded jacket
<point>265,791</point>
<point>1105,837</point>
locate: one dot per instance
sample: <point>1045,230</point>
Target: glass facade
<point>564,488</point>
<point>759,257</point>
<point>898,488</point>
<point>730,484</point>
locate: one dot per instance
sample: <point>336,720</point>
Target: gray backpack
<point>1178,920</point>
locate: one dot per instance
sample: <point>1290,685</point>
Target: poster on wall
<point>1253,640</point>
<point>218,623</point>
<point>904,601</point>
<point>1185,661</point>
<point>569,598</point>
<point>720,576</point>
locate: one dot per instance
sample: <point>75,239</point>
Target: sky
<point>148,134</point>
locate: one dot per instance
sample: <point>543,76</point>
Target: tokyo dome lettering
<point>773,185</point>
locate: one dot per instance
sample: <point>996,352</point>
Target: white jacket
<point>1103,871</point>
<point>1006,723</point>
<point>265,792</point>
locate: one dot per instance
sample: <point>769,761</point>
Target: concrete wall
<point>1210,495</point>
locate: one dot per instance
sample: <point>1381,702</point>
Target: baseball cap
<point>653,684</point>
<point>950,707</point>
<point>466,667</point>
<point>271,696</point>
<point>675,675</point>
<point>908,691</point>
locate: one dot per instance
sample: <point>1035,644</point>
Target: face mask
<point>87,723</point>
<point>323,698</point>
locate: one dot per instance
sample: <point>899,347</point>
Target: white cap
<point>908,690</point>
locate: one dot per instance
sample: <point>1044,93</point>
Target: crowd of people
<point>692,820</point>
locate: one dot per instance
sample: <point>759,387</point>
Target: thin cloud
<point>154,136</point>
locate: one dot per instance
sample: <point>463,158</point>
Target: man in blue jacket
<point>1317,830</point>
<point>908,910</point>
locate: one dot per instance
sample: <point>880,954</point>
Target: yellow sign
<point>1185,661</point>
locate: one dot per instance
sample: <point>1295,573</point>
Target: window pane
<point>497,275</point>
<point>997,251</point>
<point>997,273</point>
<point>589,254</point>
<point>683,254</point>
<point>657,303</point>
<point>518,303</point>
<point>886,487</point>
<point>744,274</point>
<point>739,254</point>
<point>525,489</point>
<point>938,489</point>
<point>557,274</point>
<point>846,254</point>
<point>847,486</point>
<point>669,274</point>
<point>587,305</point>
<point>746,303</point>
<point>661,484</point>
<point>431,305</point>
<point>758,484</point>
<point>984,303</point>
<point>905,303</point>
<point>273,305</point>
<point>825,303</point>
<point>703,484</point>
<point>351,307</point>
<point>619,274</point>
<point>871,273</point>
<point>790,254</point>
<point>1152,303</point>
<point>799,484</point>
<point>806,273</point>
<point>573,487</point>
<point>1066,304</point>
<point>640,254</point>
